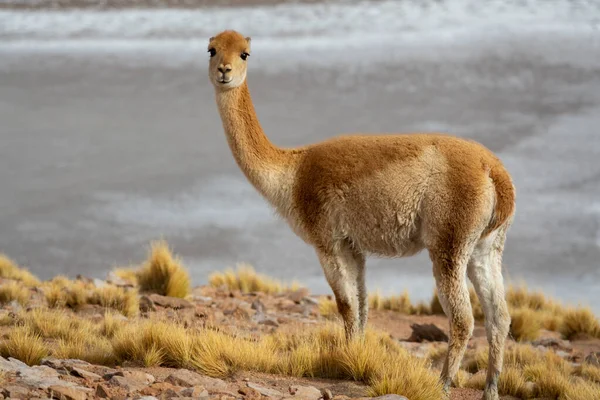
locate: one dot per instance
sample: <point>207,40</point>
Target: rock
<point>305,392</point>
<point>146,304</point>
<point>67,364</point>
<point>427,332</point>
<point>170,302</point>
<point>265,391</point>
<point>258,306</point>
<point>11,365</point>
<point>311,300</point>
<point>131,380</point>
<point>184,377</point>
<point>555,343</point>
<point>82,373</point>
<point>269,322</point>
<point>116,280</point>
<point>102,391</point>
<point>593,359</point>
<point>250,394</point>
<point>390,397</point>
<point>146,398</point>
<point>99,283</point>
<point>15,392</point>
<point>67,393</point>
<point>297,295</point>
<point>196,391</point>
<point>326,393</point>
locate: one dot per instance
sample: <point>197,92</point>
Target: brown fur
<point>389,195</point>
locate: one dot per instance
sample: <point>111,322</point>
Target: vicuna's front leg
<point>344,269</point>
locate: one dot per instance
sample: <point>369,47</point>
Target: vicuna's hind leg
<point>485,272</point>
<point>451,281</point>
<point>344,270</point>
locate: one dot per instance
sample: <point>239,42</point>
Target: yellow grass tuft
<point>129,275</point>
<point>247,280</point>
<point>134,341</point>
<point>525,325</point>
<point>55,324</point>
<point>110,325</point>
<point>120,299</point>
<point>476,381</point>
<point>163,274</point>
<point>95,350</point>
<point>328,308</point>
<point>24,345</point>
<point>512,383</point>
<point>579,321</point>
<point>14,291</point>
<point>10,270</point>
<point>399,303</point>
<point>589,372</point>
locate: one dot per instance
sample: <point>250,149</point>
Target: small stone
<point>170,302</point>
<point>184,377</point>
<point>264,391</point>
<point>15,392</point>
<point>390,397</point>
<point>99,283</point>
<point>196,391</point>
<point>298,295</point>
<point>327,395</point>
<point>427,332</point>
<point>250,394</point>
<point>102,391</point>
<point>305,392</point>
<point>269,322</point>
<point>258,306</point>
<point>146,304</point>
<point>67,393</point>
<point>146,398</point>
<point>311,300</point>
<point>128,384</point>
<point>82,373</point>
<point>593,359</point>
<point>554,343</point>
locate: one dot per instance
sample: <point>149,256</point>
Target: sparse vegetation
<point>120,299</point>
<point>163,273</point>
<point>580,321</point>
<point>24,345</point>
<point>247,280</point>
<point>10,270</point>
<point>14,291</point>
<point>525,325</point>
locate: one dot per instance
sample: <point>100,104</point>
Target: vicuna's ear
<point>211,39</point>
<point>248,39</point>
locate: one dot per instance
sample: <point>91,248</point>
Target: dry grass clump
<point>399,303</point>
<point>14,291</point>
<point>93,349</point>
<point>141,341</point>
<point>163,274</point>
<point>10,270</point>
<point>55,324</point>
<point>120,299</point>
<point>578,321</point>
<point>328,308</point>
<point>246,280</point>
<point>525,324</point>
<point>129,275</point>
<point>377,361</point>
<point>110,325</point>
<point>24,345</point>
<point>529,373</point>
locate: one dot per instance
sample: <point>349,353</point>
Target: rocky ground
<point>254,313</point>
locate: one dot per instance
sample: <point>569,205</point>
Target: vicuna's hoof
<point>491,394</point>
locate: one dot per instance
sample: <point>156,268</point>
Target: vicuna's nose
<point>224,68</point>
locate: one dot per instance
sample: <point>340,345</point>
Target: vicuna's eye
<point>212,52</point>
<point>244,55</point>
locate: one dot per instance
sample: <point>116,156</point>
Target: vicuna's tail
<point>505,198</point>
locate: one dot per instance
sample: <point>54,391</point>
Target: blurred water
<point>110,136</point>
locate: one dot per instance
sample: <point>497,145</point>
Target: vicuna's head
<point>229,53</point>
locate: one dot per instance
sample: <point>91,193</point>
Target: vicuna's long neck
<point>265,165</point>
